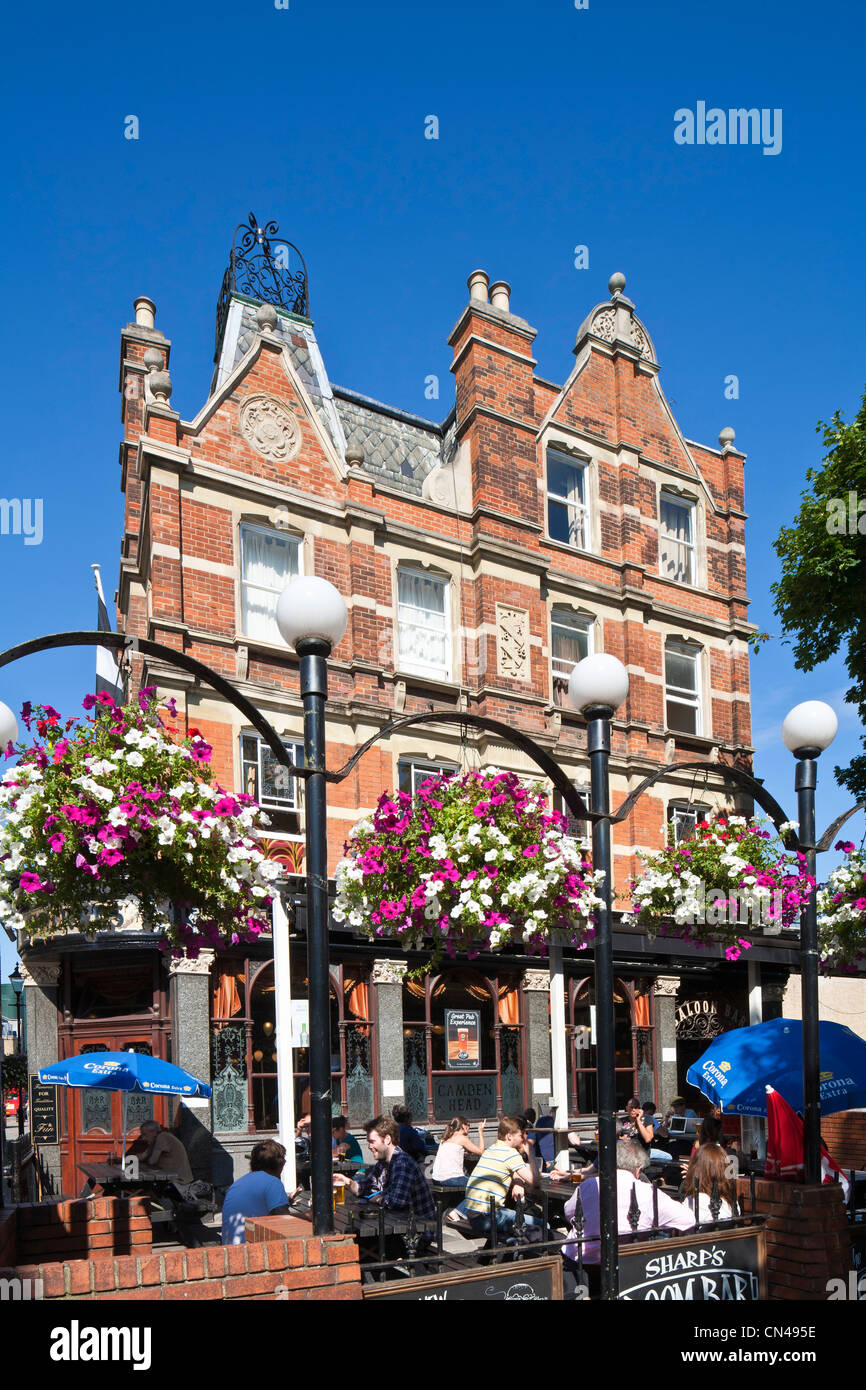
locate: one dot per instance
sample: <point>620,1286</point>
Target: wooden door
<point>94,1118</point>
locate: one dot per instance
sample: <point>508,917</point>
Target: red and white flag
<point>785,1145</point>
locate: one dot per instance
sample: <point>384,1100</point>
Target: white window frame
<point>582,620</point>
<point>578,830</point>
<point>578,508</point>
<point>677,546</point>
<point>681,813</point>
<point>293,800</point>
<point>245,584</point>
<point>422,769</point>
<point>681,695</point>
<point>420,668</point>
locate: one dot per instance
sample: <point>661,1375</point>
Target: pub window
<point>582,1061</point>
<point>571,641</point>
<point>271,784</point>
<point>497,1084</point>
<point>567,506</point>
<point>682,688</point>
<point>423,640</point>
<point>411,775</point>
<point>676,539</point>
<point>269,560</point>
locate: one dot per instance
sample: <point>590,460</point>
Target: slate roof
<point>398,447</point>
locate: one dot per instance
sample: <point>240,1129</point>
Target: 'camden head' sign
<point>725,1267</point>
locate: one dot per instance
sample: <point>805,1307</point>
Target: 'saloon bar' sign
<point>719,1267</point>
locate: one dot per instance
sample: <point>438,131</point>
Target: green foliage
<point>821,595</point>
<point>14,1073</point>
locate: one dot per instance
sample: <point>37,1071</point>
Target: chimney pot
<point>500,296</point>
<point>145,311</point>
<point>478,282</point>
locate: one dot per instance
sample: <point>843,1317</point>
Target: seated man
<point>165,1151</point>
<point>505,1165</point>
<point>631,1159</point>
<point>258,1193</point>
<point>394,1181</point>
<point>344,1143</point>
<point>411,1142</point>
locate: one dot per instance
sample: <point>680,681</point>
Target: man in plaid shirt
<point>395,1180</point>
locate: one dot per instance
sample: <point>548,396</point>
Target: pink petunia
<point>110,857</point>
<point>30,883</point>
<point>531,851</point>
<point>85,867</point>
<point>57,841</point>
<point>226,806</point>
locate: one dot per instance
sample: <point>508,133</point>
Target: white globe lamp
<point>598,682</point>
<point>8,727</point>
<point>311,609</point>
<point>809,728</point>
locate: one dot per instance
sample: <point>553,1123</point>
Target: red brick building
<point>479,557</point>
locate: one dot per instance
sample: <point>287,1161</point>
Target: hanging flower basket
<point>110,809</point>
<point>842,911</point>
<point>472,863</point>
<point>730,876</point>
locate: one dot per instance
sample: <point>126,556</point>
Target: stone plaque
<point>512,642</point>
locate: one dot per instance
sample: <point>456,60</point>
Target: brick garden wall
<point>83,1228</point>
<point>808,1237</point>
<point>295,1266</point>
<point>845,1137</point>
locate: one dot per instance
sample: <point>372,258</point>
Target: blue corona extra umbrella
<point>737,1067</point>
<point>124,1071</point>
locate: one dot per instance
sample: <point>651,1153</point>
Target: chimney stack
<point>478,282</point>
<point>500,296</point>
<point>145,312</point>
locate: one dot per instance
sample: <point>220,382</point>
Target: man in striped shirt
<point>504,1167</point>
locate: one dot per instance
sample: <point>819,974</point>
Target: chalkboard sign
<point>472,1096</point>
<point>725,1267</point>
<point>44,1127</point>
<point>528,1281</point>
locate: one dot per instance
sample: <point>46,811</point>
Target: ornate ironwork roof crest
<point>263,266</point>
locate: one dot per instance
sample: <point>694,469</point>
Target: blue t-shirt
<point>255,1194</point>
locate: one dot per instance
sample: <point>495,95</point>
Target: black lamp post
<point>311,616</point>
<point>807,731</point>
<point>598,685</point>
<point>16,980</point>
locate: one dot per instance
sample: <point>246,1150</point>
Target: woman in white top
<point>710,1163</point>
<point>448,1165</point>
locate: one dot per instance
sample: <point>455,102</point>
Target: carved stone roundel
<point>270,427</point>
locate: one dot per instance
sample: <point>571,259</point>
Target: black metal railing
<point>263,266</point>
<point>522,1242</point>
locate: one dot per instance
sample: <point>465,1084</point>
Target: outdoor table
<point>153,1182</point>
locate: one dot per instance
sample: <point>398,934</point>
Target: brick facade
<point>364,488</point>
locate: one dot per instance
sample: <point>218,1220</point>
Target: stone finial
<point>478,283</point>
<point>160,385</point>
<point>354,454</point>
<point>616,283</point>
<point>266,318</point>
<point>726,439</point>
<point>145,311</point>
<point>153,360</point>
<point>500,296</point>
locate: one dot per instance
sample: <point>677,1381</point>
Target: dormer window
<point>567,500</point>
<point>676,539</point>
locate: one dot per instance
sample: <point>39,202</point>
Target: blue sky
<point>555,130</point>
